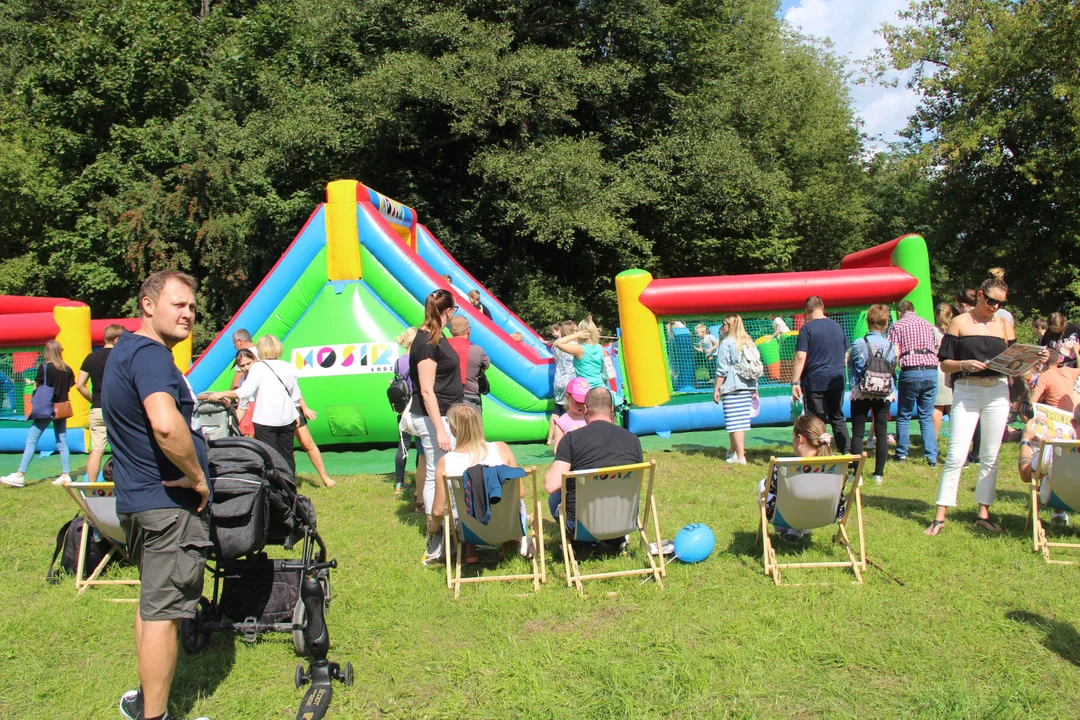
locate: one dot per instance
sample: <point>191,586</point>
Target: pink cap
<point>578,388</point>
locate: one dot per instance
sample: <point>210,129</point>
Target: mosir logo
<point>357,359</point>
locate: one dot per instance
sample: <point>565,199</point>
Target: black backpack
<point>482,382</point>
<point>877,378</point>
<point>67,549</point>
<point>398,393</point>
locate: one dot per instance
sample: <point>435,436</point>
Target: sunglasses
<point>993,302</point>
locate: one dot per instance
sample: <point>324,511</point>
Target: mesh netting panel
<point>692,344</point>
<point>17,371</point>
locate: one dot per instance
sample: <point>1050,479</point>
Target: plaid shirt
<point>915,341</point>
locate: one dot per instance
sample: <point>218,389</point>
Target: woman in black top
<point>435,372</point>
<point>979,395</point>
<point>54,373</point>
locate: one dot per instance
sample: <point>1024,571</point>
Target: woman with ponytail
<point>808,439</point>
<point>435,373</point>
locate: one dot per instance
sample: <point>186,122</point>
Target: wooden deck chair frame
<point>75,490</point>
<point>773,568</point>
<point>1041,543</point>
<point>508,505</point>
<point>574,576</point>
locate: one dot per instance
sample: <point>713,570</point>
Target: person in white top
<point>273,384</point>
<point>471,449</point>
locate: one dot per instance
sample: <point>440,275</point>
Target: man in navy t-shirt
<point>160,470</point>
<point>820,369</point>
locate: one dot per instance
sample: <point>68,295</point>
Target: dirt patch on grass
<point>584,626</point>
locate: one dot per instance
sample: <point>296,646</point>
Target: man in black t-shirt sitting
<point>599,444</point>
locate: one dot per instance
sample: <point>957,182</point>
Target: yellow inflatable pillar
<point>181,353</point>
<point>73,319</point>
<point>643,354</point>
<point>342,233</point>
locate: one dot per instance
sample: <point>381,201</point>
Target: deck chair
<point>1060,490</point>
<point>808,492</point>
<point>607,506</point>
<point>97,503</point>
<point>503,526</point>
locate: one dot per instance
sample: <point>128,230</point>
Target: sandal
<point>987,524</point>
<point>935,528</point>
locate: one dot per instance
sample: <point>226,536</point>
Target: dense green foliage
<point>998,137</point>
<point>549,143</point>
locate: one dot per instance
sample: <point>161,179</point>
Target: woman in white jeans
<point>435,372</point>
<point>979,394</point>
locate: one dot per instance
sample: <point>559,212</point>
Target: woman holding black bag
<point>49,405</point>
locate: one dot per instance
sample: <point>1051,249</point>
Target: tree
<point>998,136</point>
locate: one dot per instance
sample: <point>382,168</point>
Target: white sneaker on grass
<point>1060,517</point>
<point>15,479</point>
<point>435,549</point>
<point>878,479</point>
<point>65,478</point>
<point>734,460</point>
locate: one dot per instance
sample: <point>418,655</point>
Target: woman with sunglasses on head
<point>435,374</point>
<point>979,395</point>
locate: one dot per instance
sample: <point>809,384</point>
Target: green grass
<point>983,627</point>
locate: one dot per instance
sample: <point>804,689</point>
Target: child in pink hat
<point>574,418</point>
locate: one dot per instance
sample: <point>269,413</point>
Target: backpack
<point>483,385</point>
<point>67,549</point>
<point>749,366</point>
<point>398,393</point>
<point>877,378</point>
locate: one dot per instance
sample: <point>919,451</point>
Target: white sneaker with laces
<point>733,460</point>
<point>878,479</point>
<point>15,479</point>
<point>65,478</point>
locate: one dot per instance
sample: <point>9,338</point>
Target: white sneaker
<point>65,478</point>
<point>15,479</point>
<point>733,460</point>
<point>1060,518</point>
<point>878,479</point>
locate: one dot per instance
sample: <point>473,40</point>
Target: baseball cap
<point>578,388</point>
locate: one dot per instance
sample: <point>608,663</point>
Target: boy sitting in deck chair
<point>599,444</point>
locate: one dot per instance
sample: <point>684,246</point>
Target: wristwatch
<point>1025,443</point>
<point>796,383</point>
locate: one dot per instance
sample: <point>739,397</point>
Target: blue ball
<point>694,543</point>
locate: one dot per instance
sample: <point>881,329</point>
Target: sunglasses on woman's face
<point>993,301</point>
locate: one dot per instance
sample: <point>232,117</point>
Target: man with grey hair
<point>241,340</point>
<point>601,443</point>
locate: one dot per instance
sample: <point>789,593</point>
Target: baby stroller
<point>218,419</point>
<point>256,505</point>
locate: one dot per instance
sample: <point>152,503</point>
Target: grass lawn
<point>983,628</point>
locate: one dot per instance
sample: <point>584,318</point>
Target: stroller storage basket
<point>241,516</point>
<point>260,588</point>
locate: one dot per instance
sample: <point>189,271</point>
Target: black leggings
<point>880,412</point>
<point>281,439</point>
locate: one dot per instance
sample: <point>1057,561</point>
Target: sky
<point>850,24</point>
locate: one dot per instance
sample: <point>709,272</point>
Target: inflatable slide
<point>354,278</point>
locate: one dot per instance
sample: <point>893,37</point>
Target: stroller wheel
<point>194,636</point>
<point>348,674</point>
<point>299,629</point>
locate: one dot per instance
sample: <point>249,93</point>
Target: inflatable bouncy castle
<point>668,379</point>
<point>26,324</point>
<point>352,280</point>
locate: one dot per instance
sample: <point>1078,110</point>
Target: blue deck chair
<point>607,506</point>
<point>504,525</point>
<point>1058,468</point>
<point>97,502</point>
<point>808,493</point>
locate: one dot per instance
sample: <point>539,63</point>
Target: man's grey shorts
<point>170,547</point>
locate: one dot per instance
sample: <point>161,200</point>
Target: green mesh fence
<point>692,353</point>
<point>17,371</point>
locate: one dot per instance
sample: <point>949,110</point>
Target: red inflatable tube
<point>877,256</point>
<point>784,291</point>
<point>26,329</point>
<point>14,304</point>
<point>97,328</point>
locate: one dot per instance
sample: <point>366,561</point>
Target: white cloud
<point>850,24</point>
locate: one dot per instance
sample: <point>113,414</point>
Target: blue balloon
<point>694,543</point>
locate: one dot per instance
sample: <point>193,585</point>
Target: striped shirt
<point>915,341</point>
